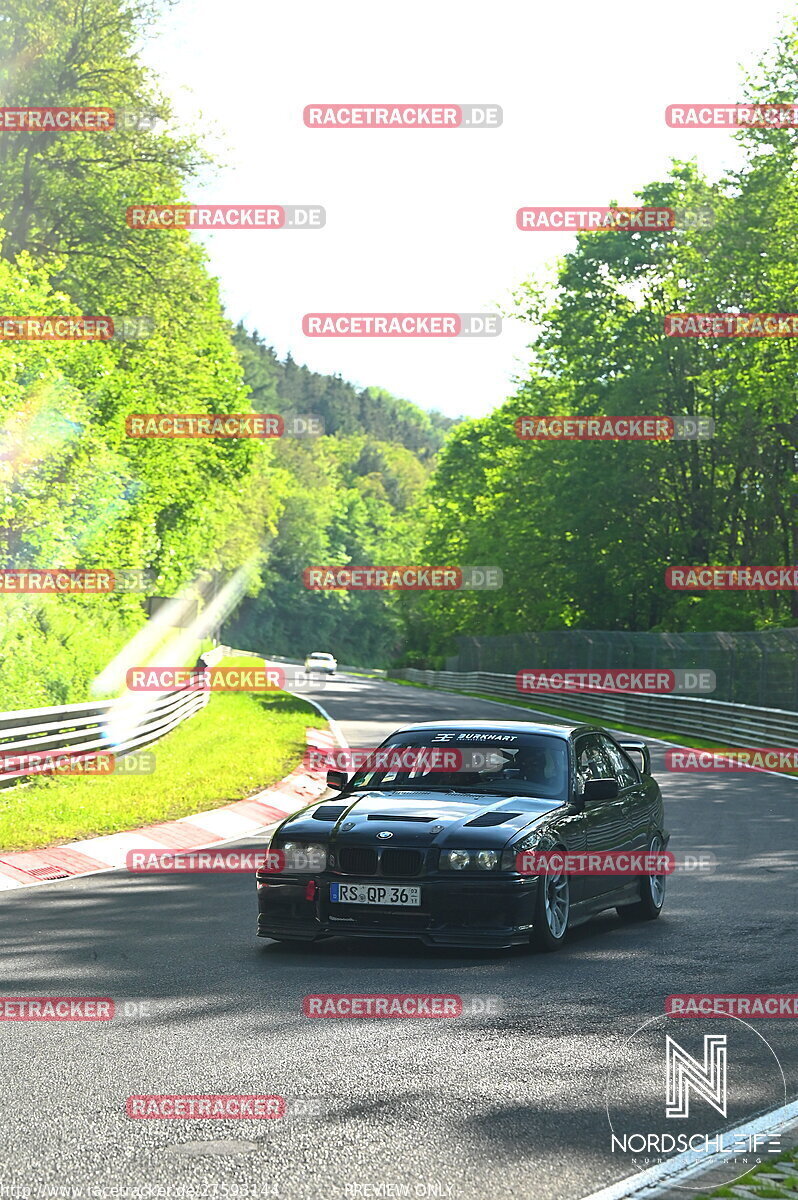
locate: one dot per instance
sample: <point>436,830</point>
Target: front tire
<point>652,893</point>
<point>552,910</point>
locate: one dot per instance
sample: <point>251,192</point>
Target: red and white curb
<point>242,818</point>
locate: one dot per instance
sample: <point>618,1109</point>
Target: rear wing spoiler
<point>640,748</point>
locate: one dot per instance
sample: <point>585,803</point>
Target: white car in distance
<point>320,662</point>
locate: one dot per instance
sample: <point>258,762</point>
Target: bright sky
<point>424,220</point>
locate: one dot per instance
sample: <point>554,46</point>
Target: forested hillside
<point>584,531</point>
<point>348,499</point>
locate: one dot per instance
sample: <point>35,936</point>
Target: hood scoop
<point>398,817</point>
<point>329,812</point>
<point>490,818</point>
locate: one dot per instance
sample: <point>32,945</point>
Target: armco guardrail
<point>715,720</point>
<point>751,666</point>
<point>114,726</point>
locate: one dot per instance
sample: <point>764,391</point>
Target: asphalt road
<point>509,1103</point>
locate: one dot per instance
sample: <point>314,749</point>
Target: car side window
<point>622,767</point>
<point>591,761</point>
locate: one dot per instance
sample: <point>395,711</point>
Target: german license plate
<point>368,893</point>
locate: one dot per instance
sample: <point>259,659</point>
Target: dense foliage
<point>585,530</point>
<point>76,491</point>
<point>349,496</point>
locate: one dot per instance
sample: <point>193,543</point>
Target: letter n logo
<point>684,1073</point>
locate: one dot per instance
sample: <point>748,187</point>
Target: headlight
<point>303,856</point>
<point>461,860</point>
<point>488,860</point>
<point>317,856</point>
<point>455,860</point>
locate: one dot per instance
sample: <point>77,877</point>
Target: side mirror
<point>641,749</point>
<point>337,780</point>
<point>600,789</point>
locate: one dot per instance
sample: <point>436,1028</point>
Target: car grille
<point>401,862</point>
<point>393,863</point>
<point>357,860</point>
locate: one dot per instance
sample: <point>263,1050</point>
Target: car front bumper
<point>496,913</point>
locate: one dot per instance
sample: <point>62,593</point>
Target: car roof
<point>563,731</point>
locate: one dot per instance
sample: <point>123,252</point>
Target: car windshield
<point>518,764</point>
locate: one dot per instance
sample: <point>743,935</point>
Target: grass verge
<point>773,1180</point>
<point>239,743</point>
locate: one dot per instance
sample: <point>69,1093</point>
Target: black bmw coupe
<point>429,839</point>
